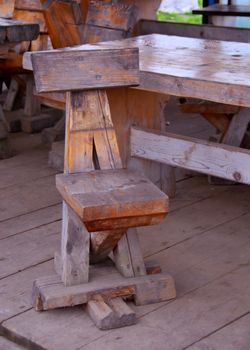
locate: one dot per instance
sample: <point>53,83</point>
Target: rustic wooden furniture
<point>102,199</point>
<point>170,65</point>
<point>219,115</point>
<point>78,22</point>
<point>210,32</point>
<point>12,33</point>
<point>32,118</point>
<point>224,10</point>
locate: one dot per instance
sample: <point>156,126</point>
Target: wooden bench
<point>231,128</point>
<point>32,118</point>
<point>11,34</point>
<point>100,195</point>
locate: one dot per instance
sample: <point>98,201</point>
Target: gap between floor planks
<point>204,243</point>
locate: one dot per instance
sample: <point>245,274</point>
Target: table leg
<point>144,109</point>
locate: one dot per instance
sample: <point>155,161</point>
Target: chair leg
<point>74,249</point>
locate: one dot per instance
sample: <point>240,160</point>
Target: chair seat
<point>113,199</point>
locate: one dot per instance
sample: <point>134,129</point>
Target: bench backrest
<point>88,21</point>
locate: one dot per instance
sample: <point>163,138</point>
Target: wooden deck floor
<point>204,243</point>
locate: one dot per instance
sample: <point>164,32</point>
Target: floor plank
<point>6,344</point>
<point>234,336</point>
<point>15,295</point>
<point>201,260</point>
<point>28,249</point>
<point>30,221</point>
<point>195,219</point>
<point>203,243</point>
<point>19,200</point>
<point>186,320</point>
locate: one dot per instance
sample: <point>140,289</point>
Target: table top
<point>12,31</point>
<point>224,10</point>
<point>212,70</point>
<point>208,69</point>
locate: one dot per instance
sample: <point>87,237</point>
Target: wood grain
<point>100,68</point>
<point>185,67</point>
<point>206,157</point>
<point>113,199</point>
<point>50,293</point>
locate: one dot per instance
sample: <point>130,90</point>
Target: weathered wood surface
<point>15,31</point>
<point>75,243</point>
<point>224,10</point>
<point>50,293</point>
<point>65,21</point>
<point>30,5</point>
<point>209,248</point>
<point>128,257</point>
<point>220,160</point>
<point>185,67</point>
<point>32,17</point>
<point>88,118</point>
<point>234,336</point>
<point>101,68</point>
<point>209,32</point>
<point>113,199</point>
<point>109,21</point>
<point>208,107</point>
<point>40,242</point>
<point>146,9</point>
<point>6,8</point>
<point>114,313</point>
<point>7,344</point>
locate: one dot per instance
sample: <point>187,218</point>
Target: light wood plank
<point>7,344</point>
<point>16,290</point>
<point>206,157</point>
<point>210,255</point>
<point>35,195</point>
<point>234,336</point>
<point>30,221</point>
<point>199,313</point>
<point>75,243</point>
<point>40,243</point>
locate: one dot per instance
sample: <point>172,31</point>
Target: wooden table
<point>212,70</point>
<point>12,33</point>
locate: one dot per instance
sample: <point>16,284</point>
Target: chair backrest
<point>86,68</point>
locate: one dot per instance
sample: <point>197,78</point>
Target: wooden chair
<point>103,202</point>
<point>79,22</point>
